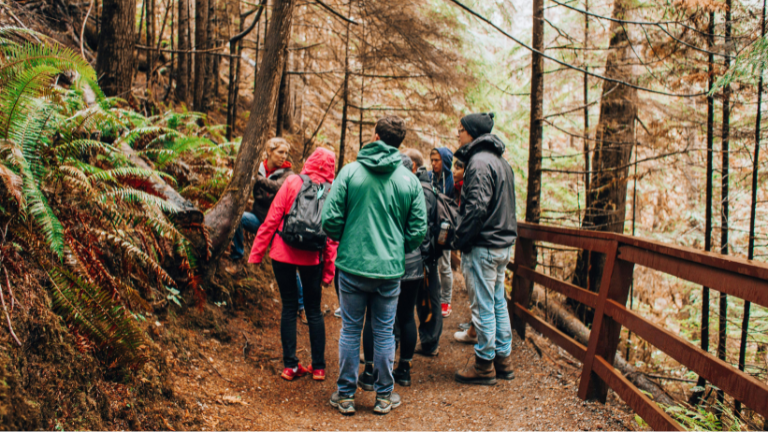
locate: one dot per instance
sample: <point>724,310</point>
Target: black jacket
<point>428,252</point>
<point>487,210</point>
<point>265,189</point>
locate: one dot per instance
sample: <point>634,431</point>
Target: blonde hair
<point>276,142</point>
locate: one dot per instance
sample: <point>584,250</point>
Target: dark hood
<point>487,142</point>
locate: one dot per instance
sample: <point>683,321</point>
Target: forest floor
<point>231,385</point>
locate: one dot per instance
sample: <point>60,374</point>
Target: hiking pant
<point>404,320</point>
<point>311,276</point>
<point>483,270</point>
<point>446,277</point>
<point>429,311</point>
<point>357,293</point>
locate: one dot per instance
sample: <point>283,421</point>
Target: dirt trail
<point>228,391</point>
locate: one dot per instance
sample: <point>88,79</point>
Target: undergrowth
<point>73,199</point>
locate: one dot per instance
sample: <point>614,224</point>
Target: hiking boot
<point>365,380</point>
<point>503,366</point>
<point>466,336</point>
<point>291,373</point>
<point>345,404</point>
<point>402,373</point>
<point>303,317</point>
<point>317,374</point>
<point>386,402</point>
<point>337,313</point>
<point>447,310</point>
<point>421,351</point>
<point>481,373</point>
<point>465,326</point>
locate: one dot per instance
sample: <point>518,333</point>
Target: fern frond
<point>13,184</point>
<point>77,147</point>
<point>114,175</point>
<point>41,212</point>
<point>94,313</point>
<point>131,250</point>
<point>131,195</point>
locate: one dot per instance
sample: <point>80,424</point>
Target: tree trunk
<point>212,62</point>
<point>614,139</point>
<point>182,69</point>
<point>150,42</point>
<point>282,100</point>
<point>536,134</point>
<point>345,106</point>
<point>224,217</point>
<point>114,62</point>
<point>201,43</point>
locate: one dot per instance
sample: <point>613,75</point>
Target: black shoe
<point>421,351</point>
<point>465,326</point>
<point>386,402</point>
<point>365,380</point>
<point>402,374</point>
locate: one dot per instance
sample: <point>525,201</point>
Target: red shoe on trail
<point>446,310</point>
<point>291,373</point>
<point>317,375</point>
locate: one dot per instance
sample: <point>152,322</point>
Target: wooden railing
<point>733,276</point>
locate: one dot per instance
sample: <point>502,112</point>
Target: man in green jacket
<point>377,213</point>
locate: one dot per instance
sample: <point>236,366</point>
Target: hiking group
<point>383,232</point>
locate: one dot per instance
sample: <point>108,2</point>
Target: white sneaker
<point>337,313</point>
<point>464,337</point>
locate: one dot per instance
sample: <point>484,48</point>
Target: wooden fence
<point>733,276</point>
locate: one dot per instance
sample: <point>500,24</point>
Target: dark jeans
<point>405,322</point>
<point>357,294</point>
<point>429,310</point>
<point>311,278</point>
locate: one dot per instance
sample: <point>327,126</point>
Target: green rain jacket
<point>377,213</point>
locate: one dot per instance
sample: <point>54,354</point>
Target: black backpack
<point>447,211</point>
<point>302,228</point>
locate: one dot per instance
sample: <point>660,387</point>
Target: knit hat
<point>478,124</point>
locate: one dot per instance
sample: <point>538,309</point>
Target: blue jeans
<point>483,270</point>
<point>250,223</point>
<point>356,293</point>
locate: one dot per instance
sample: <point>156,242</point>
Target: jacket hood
<point>447,155</point>
<point>321,165</point>
<point>379,157</point>
<point>487,142</point>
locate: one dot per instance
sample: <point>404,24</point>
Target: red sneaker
<point>289,373</point>
<point>317,375</point>
<point>446,310</point>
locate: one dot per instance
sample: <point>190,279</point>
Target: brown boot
<point>503,367</point>
<point>481,373</point>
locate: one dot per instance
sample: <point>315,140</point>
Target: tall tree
<point>201,43</point>
<point>114,62</point>
<point>345,95</point>
<point>614,139</point>
<point>182,37</point>
<point>223,218</point>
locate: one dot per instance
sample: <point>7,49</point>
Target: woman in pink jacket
<point>313,267</point>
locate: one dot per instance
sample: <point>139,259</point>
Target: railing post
<point>604,337</point>
<point>521,287</point>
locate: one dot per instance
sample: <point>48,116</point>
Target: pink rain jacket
<point>320,167</point>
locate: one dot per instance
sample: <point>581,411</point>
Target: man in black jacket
<point>485,235</point>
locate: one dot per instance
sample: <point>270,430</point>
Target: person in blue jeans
<point>377,213</point>
<point>487,231</point>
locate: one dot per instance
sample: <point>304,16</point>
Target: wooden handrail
<point>731,275</point>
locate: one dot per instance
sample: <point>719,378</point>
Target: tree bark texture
<point>344,107</point>
<point>114,62</point>
<point>201,43</point>
<point>224,217</point>
<point>212,62</point>
<point>182,69</point>
<point>614,140</point>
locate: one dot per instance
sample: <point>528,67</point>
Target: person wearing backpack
<point>292,228</point>
<point>441,178</point>
<point>376,211</point>
<point>487,231</point>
